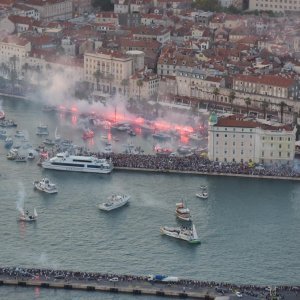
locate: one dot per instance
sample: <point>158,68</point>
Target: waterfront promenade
<point>134,284</point>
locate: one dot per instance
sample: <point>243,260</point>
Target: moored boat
<point>88,164</point>
<point>42,130</point>
<point>203,194</point>
<point>7,123</point>
<point>187,234</point>
<point>48,142</point>
<point>182,212</point>
<point>12,154</point>
<point>114,201</point>
<point>8,142</point>
<point>20,158</point>
<point>31,155</point>
<point>45,185</point>
<point>20,134</point>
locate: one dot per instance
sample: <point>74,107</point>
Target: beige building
<point>239,139</point>
<point>13,50</point>
<point>112,67</point>
<point>268,85</point>
<point>52,9</point>
<point>275,5</point>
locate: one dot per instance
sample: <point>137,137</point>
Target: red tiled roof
<point>12,39</point>
<point>273,80</point>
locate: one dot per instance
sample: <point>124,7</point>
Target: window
<point>271,154</point>
<point>262,153</point>
<point>225,135</point>
<point>279,146</point>
<point>279,154</point>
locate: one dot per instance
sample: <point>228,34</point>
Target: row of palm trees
<point>264,104</point>
<point>98,75</point>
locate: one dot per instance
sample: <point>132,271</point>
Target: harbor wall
<point>208,174</point>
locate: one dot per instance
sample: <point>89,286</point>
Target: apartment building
<point>268,85</point>
<point>239,139</point>
<point>13,50</point>
<point>52,9</point>
<point>275,5</point>
<point>112,67</point>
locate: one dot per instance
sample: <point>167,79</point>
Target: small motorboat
<point>42,130</point>
<point>12,154</point>
<point>31,155</point>
<point>114,201</point>
<point>19,134</point>
<point>203,194</point>
<point>7,123</point>
<point>26,217</point>
<point>8,142</point>
<point>3,134</point>
<point>182,212</point>
<point>20,158</point>
<point>45,185</point>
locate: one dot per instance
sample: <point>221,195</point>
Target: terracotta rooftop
<point>11,39</point>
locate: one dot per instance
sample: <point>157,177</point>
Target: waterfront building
<point>236,138</point>
<point>13,52</point>
<point>112,67</point>
<point>52,9</point>
<point>276,6</point>
<point>268,85</point>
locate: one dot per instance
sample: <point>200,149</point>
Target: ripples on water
<point>249,228</point>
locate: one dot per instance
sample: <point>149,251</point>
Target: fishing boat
<point>42,130</point>
<point>45,185</point>
<point>114,201</point>
<point>203,194</point>
<point>88,134</point>
<point>88,164</point>
<point>182,212</point>
<point>187,234</point>
<point>26,217</point>
<point>8,142</point>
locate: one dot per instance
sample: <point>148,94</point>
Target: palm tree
<point>139,83</point>
<point>231,98</point>
<point>124,83</point>
<point>248,103</point>
<point>216,92</point>
<point>264,106</point>
<point>282,105</point>
<point>98,75</point>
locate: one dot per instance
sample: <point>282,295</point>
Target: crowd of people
<point>49,275</point>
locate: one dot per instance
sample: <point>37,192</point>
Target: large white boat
<point>45,185</point>
<point>182,212</point>
<point>26,217</point>
<point>187,234</point>
<point>114,201</point>
<point>73,163</point>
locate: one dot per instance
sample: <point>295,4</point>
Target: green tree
<point>264,106</point>
<point>139,83</point>
<point>282,105</point>
<point>207,5</point>
<point>216,92</point>
<point>248,103</point>
<point>98,75</point>
<point>105,5</point>
<point>231,98</point>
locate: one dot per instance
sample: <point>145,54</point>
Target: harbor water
<point>249,228</point>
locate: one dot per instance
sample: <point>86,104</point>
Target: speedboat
<point>7,123</point>
<point>114,201</point>
<point>187,234</point>
<point>203,194</point>
<point>26,217</point>
<point>45,185</point>
<point>182,212</point>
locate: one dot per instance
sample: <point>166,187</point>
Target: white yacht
<point>187,234</point>
<point>73,163</point>
<point>114,201</point>
<point>45,185</point>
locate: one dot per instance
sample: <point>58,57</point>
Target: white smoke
<point>21,198</point>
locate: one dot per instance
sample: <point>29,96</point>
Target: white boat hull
<point>48,165</point>
<point>105,207</point>
<point>178,235</point>
<point>52,191</point>
<point>202,196</point>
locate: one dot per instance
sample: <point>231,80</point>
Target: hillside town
<point>242,59</point>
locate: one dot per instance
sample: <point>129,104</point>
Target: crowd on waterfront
<point>85,277</point>
<point>192,163</point>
